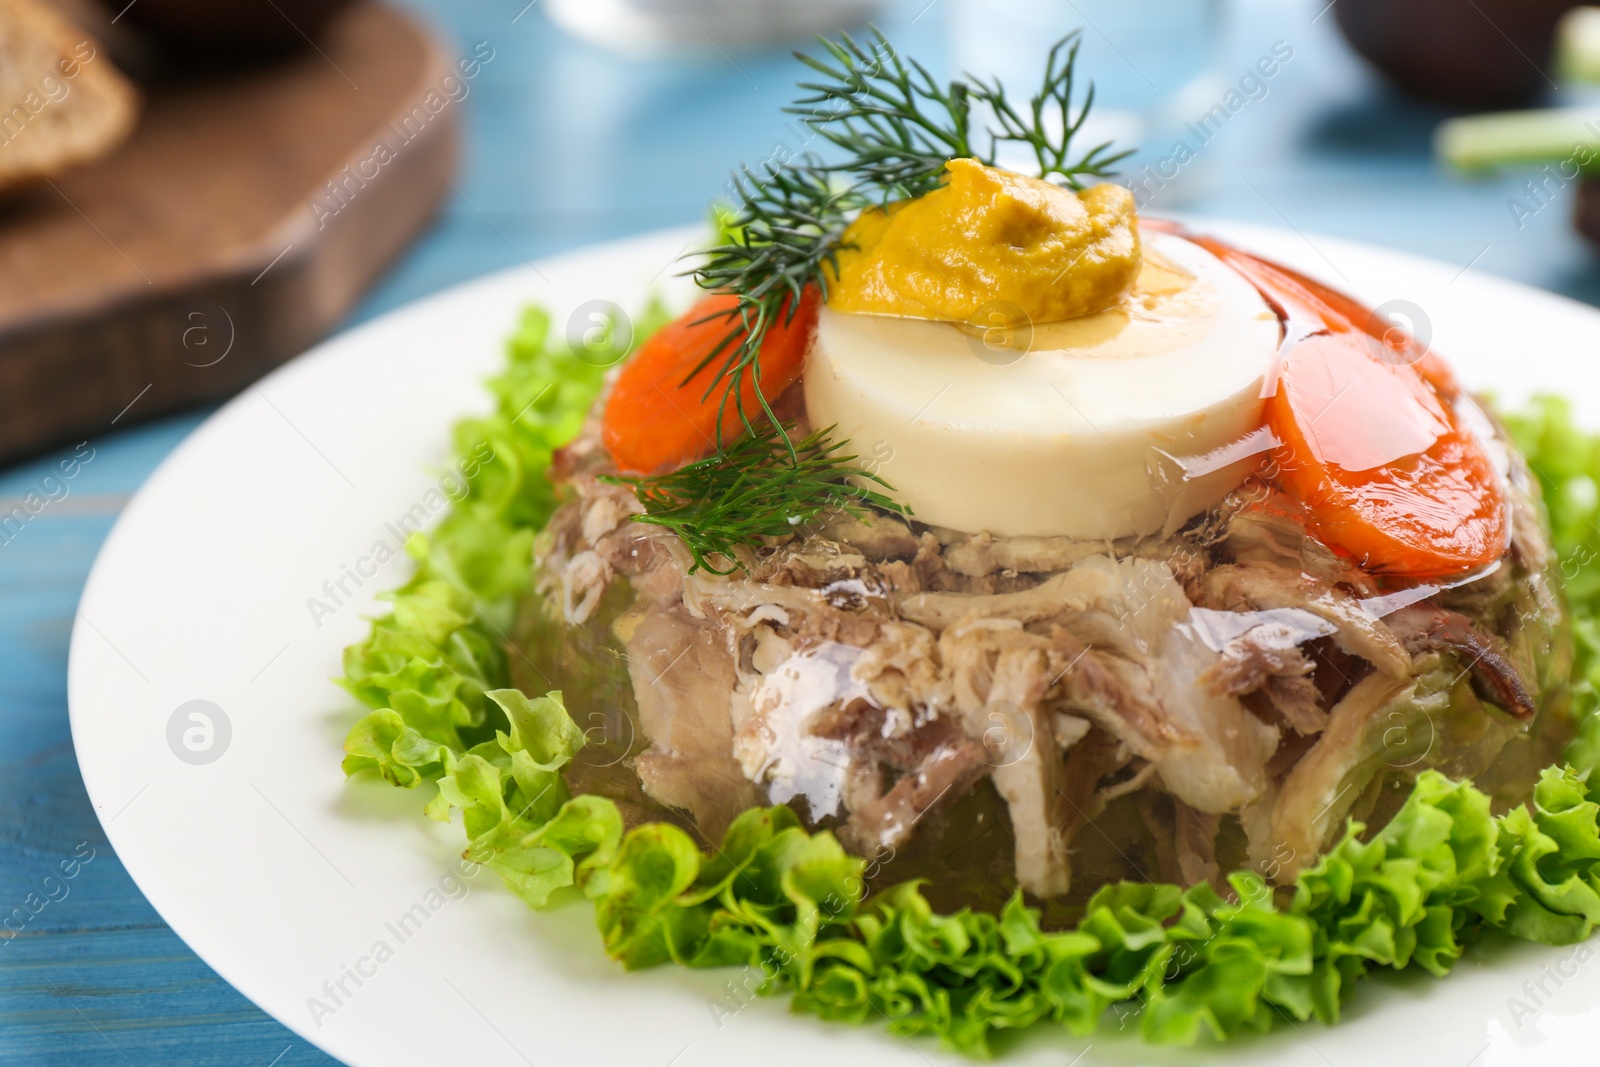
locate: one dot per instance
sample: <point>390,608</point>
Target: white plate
<point>283,876</point>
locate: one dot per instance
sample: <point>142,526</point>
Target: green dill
<point>786,226</point>
<point>895,127</point>
<point>898,126</point>
<point>763,485</point>
<point>1053,151</point>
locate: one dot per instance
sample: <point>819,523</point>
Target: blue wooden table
<point>568,144</point>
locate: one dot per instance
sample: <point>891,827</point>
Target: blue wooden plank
<point>568,144</point>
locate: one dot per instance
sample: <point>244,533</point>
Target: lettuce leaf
<point>426,668</point>
<point>1192,963</point>
<point>790,907</point>
<point>433,671</point>
<point>1566,461</point>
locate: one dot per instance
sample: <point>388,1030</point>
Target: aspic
<point>988,603</point>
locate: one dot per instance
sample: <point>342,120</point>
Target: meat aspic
<point>1248,688</point>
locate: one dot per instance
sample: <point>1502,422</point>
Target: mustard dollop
<point>988,237</point>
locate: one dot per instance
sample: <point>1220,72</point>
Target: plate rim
<point>528,279</point>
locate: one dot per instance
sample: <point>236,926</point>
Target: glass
<point>657,25</point>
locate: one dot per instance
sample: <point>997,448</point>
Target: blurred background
<point>192,193</point>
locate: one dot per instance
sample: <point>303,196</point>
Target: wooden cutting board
<point>245,216</point>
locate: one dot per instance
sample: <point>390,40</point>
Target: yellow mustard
<point>990,237</point>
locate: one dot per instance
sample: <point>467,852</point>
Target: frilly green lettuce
<point>1566,461</point>
<point>434,669</point>
<point>1193,962</point>
<point>791,905</point>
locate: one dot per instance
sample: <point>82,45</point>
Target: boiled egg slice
<point>1118,424</point>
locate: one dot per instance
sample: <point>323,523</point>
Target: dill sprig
<point>1053,151</point>
<point>786,227</point>
<point>895,126</point>
<point>763,485</point>
<point>898,126</point>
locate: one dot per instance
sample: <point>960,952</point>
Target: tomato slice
<point>1370,441</point>
<point>658,416</point>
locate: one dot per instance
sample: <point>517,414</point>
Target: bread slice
<point>62,103</point>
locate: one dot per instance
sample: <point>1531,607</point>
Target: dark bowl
<point>1587,215</point>
<point>1476,53</point>
<point>214,28</point>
